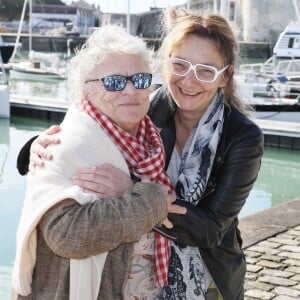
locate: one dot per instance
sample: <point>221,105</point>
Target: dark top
<point>212,225</point>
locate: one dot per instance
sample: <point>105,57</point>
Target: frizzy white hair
<point>105,40</point>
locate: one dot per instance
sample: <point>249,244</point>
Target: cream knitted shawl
<point>83,144</point>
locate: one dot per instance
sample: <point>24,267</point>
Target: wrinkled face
<point>190,94</point>
<point>127,107</point>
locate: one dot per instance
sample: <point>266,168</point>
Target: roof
<point>83,4</point>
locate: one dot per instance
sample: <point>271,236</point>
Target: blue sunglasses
<point>115,83</point>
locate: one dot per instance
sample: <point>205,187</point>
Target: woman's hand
<point>105,181</point>
<point>173,208</point>
<point>38,149</point>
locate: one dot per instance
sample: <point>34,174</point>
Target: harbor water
<point>278,179</point>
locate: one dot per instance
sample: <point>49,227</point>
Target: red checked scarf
<point>145,155</point>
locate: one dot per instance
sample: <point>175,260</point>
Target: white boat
<point>39,66</point>
<point>31,71</point>
<point>273,90</point>
<point>288,43</point>
<point>42,66</point>
<point>279,76</point>
<point>271,79</point>
<point>273,87</point>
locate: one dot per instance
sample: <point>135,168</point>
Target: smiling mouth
<point>188,93</point>
<point>129,104</point>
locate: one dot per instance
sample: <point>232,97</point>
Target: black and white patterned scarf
<point>188,276</point>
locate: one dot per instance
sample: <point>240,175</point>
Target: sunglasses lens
<point>141,80</point>
<point>114,83</point>
<point>118,82</point>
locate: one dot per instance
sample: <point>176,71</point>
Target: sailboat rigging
<point>37,63</point>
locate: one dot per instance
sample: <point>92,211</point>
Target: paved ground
<point>272,248</point>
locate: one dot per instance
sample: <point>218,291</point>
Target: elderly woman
<point>65,232</point>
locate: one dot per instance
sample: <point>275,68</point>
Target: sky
<point>136,6</point>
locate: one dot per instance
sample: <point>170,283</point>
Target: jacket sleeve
<point>78,231</point>
<point>205,225</point>
<point>23,157</point>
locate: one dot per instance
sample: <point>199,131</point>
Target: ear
<point>226,76</point>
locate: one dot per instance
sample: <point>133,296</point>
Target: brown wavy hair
<point>179,23</point>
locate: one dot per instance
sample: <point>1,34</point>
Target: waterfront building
<point>80,14</point>
<point>259,23</point>
<point>264,20</point>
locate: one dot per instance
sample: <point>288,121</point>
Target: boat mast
<point>30,26</point>
<point>128,16</point>
<point>19,30</point>
<point>296,10</point>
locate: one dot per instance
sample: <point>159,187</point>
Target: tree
<point>10,10</point>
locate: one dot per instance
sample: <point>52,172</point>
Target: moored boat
<point>34,70</point>
<point>272,87</point>
<point>6,50</point>
<point>288,43</point>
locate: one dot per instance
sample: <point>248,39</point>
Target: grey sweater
<point>69,230</point>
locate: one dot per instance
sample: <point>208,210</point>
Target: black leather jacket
<point>212,226</point>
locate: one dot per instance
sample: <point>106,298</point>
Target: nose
<point>129,87</point>
<point>190,77</point>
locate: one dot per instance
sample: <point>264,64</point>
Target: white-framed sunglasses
<point>204,73</point>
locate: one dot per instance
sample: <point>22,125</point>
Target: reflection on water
<point>37,85</point>
<point>278,182</point>
<point>13,134</point>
